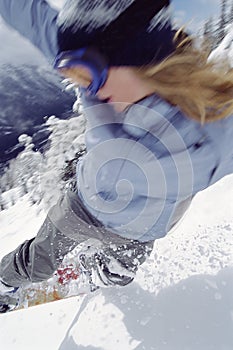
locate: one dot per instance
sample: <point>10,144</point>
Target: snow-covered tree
<point>209,32</point>
<point>222,21</point>
<point>230,16</point>
<point>215,29</point>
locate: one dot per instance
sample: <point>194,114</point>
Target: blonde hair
<point>188,80</point>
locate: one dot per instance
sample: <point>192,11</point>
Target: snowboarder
<point>158,131</point>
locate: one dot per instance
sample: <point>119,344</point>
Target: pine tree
<point>222,21</point>
<point>209,33</point>
<point>230,16</point>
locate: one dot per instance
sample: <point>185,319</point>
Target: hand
<point>8,299</point>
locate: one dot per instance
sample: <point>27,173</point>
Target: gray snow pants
<point>67,225</point>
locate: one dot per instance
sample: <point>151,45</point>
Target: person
<point>159,130</point>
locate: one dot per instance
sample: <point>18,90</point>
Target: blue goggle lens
<point>88,58</point>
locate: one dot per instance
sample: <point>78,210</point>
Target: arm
<point>35,20</point>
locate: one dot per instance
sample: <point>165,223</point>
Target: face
<point>123,86</point>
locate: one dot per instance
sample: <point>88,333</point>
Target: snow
<point>181,298</point>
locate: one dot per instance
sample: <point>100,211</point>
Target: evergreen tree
<point>222,21</point>
<point>230,16</point>
<point>208,33</point>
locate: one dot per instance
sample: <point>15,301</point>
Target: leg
<point>36,260</point>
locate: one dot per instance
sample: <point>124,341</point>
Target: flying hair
<point>187,79</point>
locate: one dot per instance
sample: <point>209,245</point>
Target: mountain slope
<point>27,95</point>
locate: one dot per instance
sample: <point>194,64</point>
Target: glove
<point>8,298</point>
<point>104,271</point>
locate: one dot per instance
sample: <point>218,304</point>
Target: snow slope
<point>182,297</point>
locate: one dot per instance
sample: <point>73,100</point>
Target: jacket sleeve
<point>35,20</point>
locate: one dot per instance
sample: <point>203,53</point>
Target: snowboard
<point>68,281</point>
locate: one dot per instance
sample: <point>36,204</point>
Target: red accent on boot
<point>67,273</point>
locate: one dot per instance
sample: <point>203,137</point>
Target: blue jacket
<point>143,166</point>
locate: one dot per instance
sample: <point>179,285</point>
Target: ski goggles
<point>87,58</point>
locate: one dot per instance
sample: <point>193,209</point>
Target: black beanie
<point>127,32</point>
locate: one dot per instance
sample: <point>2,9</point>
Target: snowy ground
<point>182,297</point>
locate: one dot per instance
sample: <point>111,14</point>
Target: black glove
<point>8,298</point>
